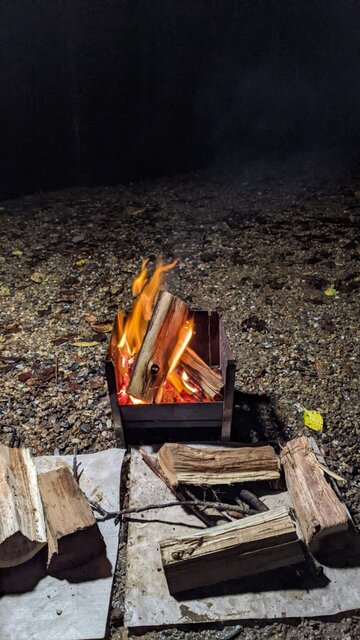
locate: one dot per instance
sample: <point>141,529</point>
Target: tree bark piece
<point>319,511</point>
<point>208,466</point>
<point>22,524</point>
<point>152,361</point>
<point>236,549</point>
<point>72,531</point>
<point>210,380</point>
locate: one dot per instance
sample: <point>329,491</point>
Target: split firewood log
<point>319,511</point>
<point>209,465</point>
<point>22,524</point>
<point>73,534</point>
<point>152,361</point>
<point>236,549</point>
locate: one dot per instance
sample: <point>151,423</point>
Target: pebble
<point>85,428</point>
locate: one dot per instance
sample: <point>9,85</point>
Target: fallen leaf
<point>37,277</point>
<point>81,263</point>
<point>313,420</point>
<point>11,327</point>
<point>90,318</point>
<point>4,291</point>
<point>47,373</point>
<point>80,343</point>
<point>24,376</point>
<point>330,291</point>
<point>102,327</point>
<point>16,252</point>
<point>2,338</point>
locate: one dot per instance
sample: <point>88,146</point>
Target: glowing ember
<point>178,386</point>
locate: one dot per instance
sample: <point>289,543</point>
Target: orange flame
<point>178,386</point>
<point>146,291</point>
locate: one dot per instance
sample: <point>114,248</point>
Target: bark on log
<point>72,531</point>
<point>22,524</point>
<point>253,545</point>
<point>208,466</point>
<point>319,511</point>
<point>152,361</point>
<point>210,380</point>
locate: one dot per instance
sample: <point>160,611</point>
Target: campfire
<point>165,358</point>
<point>154,361</point>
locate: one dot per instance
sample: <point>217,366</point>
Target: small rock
<point>58,612</point>
<point>85,428</point>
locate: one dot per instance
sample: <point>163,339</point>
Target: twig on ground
<point>75,467</point>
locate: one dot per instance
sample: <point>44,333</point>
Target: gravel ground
<point>259,244</point>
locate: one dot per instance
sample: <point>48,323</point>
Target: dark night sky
<point>95,92</point>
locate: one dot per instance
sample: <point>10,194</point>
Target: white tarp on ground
<point>149,604</point>
<point>78,610</point>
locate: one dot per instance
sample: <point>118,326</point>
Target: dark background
<point>100,91</point>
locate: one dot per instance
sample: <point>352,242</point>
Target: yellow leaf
<point>313,420</point>
<point>16,252</point>
<point>81,263</point>
<point>37,277</point>
<point>330,291</point>
<point>80,343</point>
<point>4,291</point>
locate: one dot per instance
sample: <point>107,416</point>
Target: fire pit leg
<point>115,411</point>
<point>228,401</point>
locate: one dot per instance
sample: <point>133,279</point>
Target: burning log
<point>72,531</point>
<point>22,524</point>
<point>318,510</point>
<point>241,548</point>
<point>182,464</point>
<point>152,363</point>
<point>209,380</point>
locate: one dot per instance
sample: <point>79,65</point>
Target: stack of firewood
<point>39,509</point>
<point>267,539</point>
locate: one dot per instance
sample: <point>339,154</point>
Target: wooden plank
<point>73,533</point>
<point>152,361</point>
<point>208,466</point>
<point>236,549</point>
<point>22,524</point>
<point>319,511</point>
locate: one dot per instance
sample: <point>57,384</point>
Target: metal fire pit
<point>157,423</point>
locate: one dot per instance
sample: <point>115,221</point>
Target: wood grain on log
<point>152,361</point>
<point>73,533</point>
<point>319,511</point>
<point>210,380</point>
<point>22,524</point>
<point>208,466</point>
<point>245,547</point>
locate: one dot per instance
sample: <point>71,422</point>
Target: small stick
<point>75,467</point>
<point>201,504</point>
<point>193,497</point>
<point>252,500</point>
